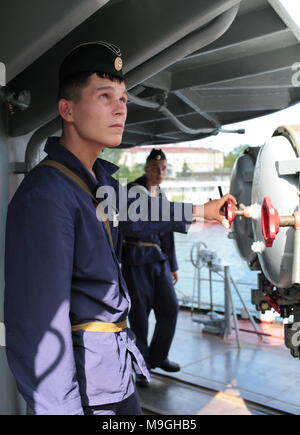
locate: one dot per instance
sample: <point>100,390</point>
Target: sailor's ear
<point>65,108</point>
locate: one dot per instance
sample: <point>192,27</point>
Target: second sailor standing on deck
<point>149,267</point>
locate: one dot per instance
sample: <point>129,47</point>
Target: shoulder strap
<point>85,187</point>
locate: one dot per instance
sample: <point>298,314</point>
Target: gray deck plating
<point>233,380</point>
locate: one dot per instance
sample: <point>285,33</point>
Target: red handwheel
<point>229,210</point>
<point>269,221</point>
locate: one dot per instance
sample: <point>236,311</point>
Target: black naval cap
<point>156,154</point>
<point>98,56</point>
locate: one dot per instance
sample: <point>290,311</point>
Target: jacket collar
<point>142,181</point>
<point>102,168</point>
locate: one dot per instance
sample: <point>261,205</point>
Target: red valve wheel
<point>269,221</point>
<point>229,211</point>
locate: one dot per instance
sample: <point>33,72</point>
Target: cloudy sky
<point>258,130</point>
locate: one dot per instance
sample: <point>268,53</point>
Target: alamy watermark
<point>296,335</point>
<point>133,205</point>
<point>2,74</point>
<point>296,76</point>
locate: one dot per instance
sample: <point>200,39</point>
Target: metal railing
<point>202,257</point>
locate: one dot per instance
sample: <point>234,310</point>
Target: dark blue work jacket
<point>133,255</point>
<point>60,270</point>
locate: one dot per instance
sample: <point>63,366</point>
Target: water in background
<point>215,237</point>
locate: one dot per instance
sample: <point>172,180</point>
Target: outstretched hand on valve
<point>212,210</point>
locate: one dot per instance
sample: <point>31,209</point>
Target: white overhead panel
<point>289,12</point>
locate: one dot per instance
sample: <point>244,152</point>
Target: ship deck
<point>217,377</point>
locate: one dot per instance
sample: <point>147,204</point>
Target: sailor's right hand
<point>213,210</point>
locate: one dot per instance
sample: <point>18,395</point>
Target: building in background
<point>194,174</point>
<point>181,159</point>
<point>197,188</point>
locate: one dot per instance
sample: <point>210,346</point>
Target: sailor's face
<point>100,115</point>
<point>156,170</point>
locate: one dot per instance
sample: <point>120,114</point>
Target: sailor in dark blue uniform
<point>149,266</point>
<point>66,303</point>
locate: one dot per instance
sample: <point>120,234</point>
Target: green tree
<point>185,169</point>
<point>130,175</point>
<point>113,155</point>
<point>230,158</point>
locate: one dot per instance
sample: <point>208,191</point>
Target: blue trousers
<point>129,406</point>
<point>150,287</point>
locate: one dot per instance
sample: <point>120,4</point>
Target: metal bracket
<point>288,167</point>
<point>21,102</point>
<point>19,168</point>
